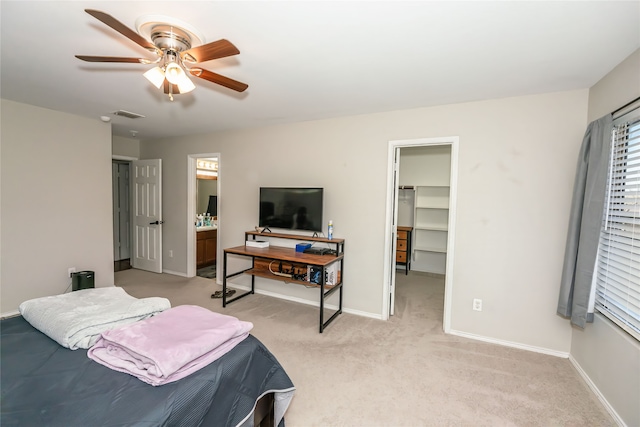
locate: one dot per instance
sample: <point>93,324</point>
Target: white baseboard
<point>362,313</point>
<point>175,273</point>
<point>520,346</point>
<point>597,392</point>
<point>308,302</point>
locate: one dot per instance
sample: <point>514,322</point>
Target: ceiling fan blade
<point>213,50</point>
<point>121,28</point>
<point>112,59</point>
<point>217,78</point>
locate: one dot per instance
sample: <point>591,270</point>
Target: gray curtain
<point>585,221</point>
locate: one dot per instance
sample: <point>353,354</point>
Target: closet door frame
<point>391,213</point>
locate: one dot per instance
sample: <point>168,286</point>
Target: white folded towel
<point>76,319</point>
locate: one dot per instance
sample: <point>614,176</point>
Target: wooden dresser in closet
<point>403,247</point>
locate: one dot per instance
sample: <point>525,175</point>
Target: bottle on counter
<point>330,230</point>
<point>199,220</point>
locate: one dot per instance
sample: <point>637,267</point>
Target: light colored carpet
<point>404,372</point>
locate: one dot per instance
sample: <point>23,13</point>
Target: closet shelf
<point>432,227</point>
<point>430,249</point>
<point>442,205</point>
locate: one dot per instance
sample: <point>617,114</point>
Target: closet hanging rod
<point>405,187</point>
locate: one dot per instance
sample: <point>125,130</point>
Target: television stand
<point>323,271</point>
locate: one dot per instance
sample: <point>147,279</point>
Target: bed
<point>44,383</point>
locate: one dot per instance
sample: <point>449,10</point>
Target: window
<point>618,265</point>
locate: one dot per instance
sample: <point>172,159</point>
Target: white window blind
<point>618,265</point>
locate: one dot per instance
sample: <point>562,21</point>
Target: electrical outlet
<point>170,254</point>
<point>477,304</point>
<point>70,270</point>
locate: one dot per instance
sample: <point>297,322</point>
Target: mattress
<point>44,383</point>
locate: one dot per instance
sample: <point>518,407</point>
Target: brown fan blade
<point>111,59</point>
<point>217,78</point>
<point>213,50</point>
<point>121,28</point>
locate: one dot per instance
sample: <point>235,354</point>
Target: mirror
<point>206,191</point>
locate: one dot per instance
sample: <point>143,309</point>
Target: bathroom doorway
<point>203,231</point>
<point>207,217</point>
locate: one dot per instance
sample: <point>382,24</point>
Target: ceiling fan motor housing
<point>167,37</point>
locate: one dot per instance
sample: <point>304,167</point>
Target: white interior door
<point>147,215</point>
<point>394,233</point>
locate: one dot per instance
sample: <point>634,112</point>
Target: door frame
<point>392,174</point>
<point>394,231</point>
<point>191,213</point>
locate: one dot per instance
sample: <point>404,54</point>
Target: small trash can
<point>82,280</point>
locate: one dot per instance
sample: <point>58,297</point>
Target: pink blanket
<point>170,345</point>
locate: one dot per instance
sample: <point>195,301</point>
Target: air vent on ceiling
<point>128,114</point>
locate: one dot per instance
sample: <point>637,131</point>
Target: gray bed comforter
<point>46,384</point>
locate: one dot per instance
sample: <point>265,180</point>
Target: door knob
<point>156,223</point>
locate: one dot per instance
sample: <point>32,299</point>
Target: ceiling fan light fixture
<point>185,84</point>
<point>174,73</point>
<point>155,76</point>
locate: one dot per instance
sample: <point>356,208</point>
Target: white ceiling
<point>307,60</point>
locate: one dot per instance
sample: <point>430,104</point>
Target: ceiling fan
<point>172,42</point>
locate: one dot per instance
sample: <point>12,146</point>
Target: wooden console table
<point>296,265</point>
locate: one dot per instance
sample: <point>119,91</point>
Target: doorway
<point>121,171</point>
<point>203,196</point>
<point>207,217</point>
<point>137,213</point>
<point>421,204</point>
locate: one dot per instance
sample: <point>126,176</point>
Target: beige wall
<point>56,202</point>
<point>608,356</point>
<point>615,89</point>
<point>516,166</point>
<point>126,147</point>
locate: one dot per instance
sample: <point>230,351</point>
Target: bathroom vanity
<point>206,246</point>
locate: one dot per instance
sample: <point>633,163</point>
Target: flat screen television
<point>291,208</point>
